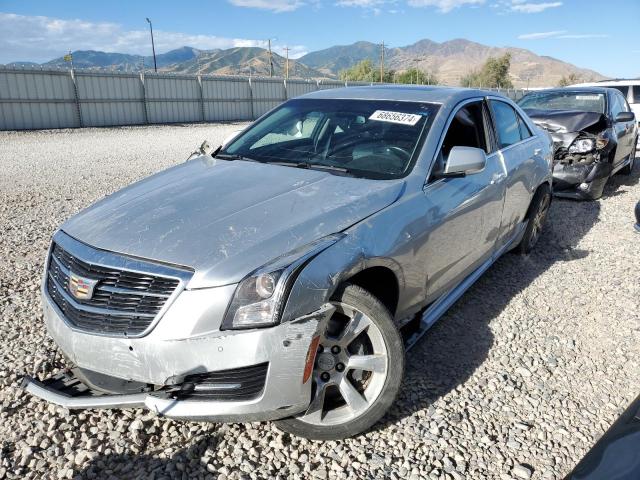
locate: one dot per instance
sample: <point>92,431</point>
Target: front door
<point>462,215</point>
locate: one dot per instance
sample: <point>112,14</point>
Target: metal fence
<point>34,99</point>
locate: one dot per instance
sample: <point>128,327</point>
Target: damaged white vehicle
<point>281,276</point>
<point>594,133</point>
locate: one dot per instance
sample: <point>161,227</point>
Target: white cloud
<point>560,34</point>
<point>584,35</point>
<point>539,35</point>
<point>524,6</point>
<point>275,5</point>
<point>360,3</point>
<point>444,6</point>
<point>519,6</point>
<point>39,39</point>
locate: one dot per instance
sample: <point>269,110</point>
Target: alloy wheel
<point>539,218</point>
<point>350,368</point>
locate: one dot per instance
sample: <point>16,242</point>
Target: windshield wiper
<point>314,166</point>
<point>230,156</point>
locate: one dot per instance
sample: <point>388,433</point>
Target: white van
<point>629,88</point>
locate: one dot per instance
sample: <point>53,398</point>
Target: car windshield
<point>368,138</point>
<point>580,101</point>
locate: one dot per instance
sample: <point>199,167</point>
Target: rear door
<point>517,150</point>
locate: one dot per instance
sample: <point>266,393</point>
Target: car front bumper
<point>165,363</point>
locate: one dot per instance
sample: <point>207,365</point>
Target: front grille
<point>123,302</point>
<point>244,383</point>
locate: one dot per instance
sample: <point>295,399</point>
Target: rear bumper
<point>164,363</point>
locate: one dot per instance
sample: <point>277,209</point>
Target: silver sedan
<point>283,275</point>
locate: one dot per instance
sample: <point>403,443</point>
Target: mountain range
<point>448,61</point>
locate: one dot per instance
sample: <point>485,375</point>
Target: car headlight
<point>260,297</point>
<point>582,145</point>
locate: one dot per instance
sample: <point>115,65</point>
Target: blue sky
<point>589,33</point>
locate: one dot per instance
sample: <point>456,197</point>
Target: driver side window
<point>467,129</point>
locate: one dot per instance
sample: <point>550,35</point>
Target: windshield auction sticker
<point>395,117</point>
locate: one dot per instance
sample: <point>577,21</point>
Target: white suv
<point>629,88</point>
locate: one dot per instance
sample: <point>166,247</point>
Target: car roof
<point>405,93</point>
<point>589,89</point>
<point>617,82</point>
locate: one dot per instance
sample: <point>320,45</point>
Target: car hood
<point>224,219</point>
<point>564,121</point>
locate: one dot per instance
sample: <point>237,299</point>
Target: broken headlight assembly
<point>260,297</point>
<point>582,145</point>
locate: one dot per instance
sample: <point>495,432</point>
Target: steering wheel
<point>398,152</point>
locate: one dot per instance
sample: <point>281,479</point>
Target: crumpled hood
<point>564,121</point>
<point>224,219</point>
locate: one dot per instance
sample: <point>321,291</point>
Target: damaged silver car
<point>594,133</point>
<point>282,276</point>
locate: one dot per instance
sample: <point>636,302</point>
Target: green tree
<point>366,71</point>
<point>416,76</point>
<point>570,79</point>
<point>361,72</point>
<point>494,73</point>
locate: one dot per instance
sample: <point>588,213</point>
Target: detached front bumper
<point>580,181</point>
<point>165,365</point>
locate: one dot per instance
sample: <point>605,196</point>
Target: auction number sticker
<point>395,117</point>
<point>587,97</point>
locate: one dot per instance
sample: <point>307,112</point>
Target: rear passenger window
<point>507,124</point>
<point>524,129</point>
<point>636,94</point>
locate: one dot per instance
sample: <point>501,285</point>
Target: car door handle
<point>537,151</point>
<point>497,178</point>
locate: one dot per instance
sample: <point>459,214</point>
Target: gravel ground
<point>517,380</point>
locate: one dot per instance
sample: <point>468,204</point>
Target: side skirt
<point>438,308</point>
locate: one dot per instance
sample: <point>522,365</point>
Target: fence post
<point>201,97</point>
<point>76,97</point>
<point>251,99</point>
<point>286,94</point>
<point>144,99</point>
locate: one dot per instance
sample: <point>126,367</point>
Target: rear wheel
<point>537,217</point>
<point>358,369</point>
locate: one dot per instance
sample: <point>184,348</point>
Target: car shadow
<point>188,462</point>
<point>460,341</point>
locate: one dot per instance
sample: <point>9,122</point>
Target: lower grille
<point>236,384</point>
<point>122,302</point>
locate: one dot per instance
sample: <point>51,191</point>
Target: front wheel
<point>628,168</point>
<point>358,369</point>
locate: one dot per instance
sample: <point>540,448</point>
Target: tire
<point>330,416</point>
<point>537,216</point>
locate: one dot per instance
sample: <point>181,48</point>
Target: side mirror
<point>625,117</point>
<point>465,161</point>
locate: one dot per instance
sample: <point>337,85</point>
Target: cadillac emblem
<point>80,287</point>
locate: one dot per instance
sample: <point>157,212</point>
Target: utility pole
<point>382,62</point>
<point>153,47</point>
<point>286,75</point>
<point>270,60</point>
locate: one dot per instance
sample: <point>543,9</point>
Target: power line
<point>286,75</point>
<point>382,62</point>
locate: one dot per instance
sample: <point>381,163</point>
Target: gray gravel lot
<point>517,380</point>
